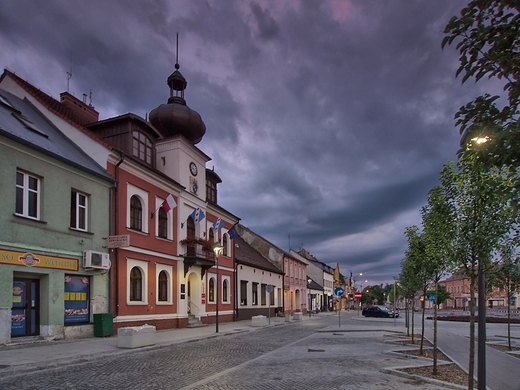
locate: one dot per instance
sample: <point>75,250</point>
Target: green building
<point>54,220</point>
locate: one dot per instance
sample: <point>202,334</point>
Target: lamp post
<point>481,300</point>
<point>217,250</point>
<point>395,287</point>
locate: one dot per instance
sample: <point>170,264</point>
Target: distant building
<point>259,283</point>
<point>295,271</point>
<point>320,274</point>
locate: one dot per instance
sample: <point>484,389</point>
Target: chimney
<point>87,112</point>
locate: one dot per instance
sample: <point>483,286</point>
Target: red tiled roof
<point>62,111</point>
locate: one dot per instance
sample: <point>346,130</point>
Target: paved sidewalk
<point>51,353</point>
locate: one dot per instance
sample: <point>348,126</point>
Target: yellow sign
<point>38,261</point>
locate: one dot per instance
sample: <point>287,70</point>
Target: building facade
<point>54,217</point>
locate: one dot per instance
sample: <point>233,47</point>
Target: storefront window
<point>77,299</point>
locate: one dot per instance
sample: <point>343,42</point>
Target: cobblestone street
<point>286,356</point>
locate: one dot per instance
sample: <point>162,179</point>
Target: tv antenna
<point>69,74</point>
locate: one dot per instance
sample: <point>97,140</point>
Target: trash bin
<point>103,325</point>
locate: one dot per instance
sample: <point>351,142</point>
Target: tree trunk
<point>435,331</point>
<point>471,368</point>
<point>422,330</point>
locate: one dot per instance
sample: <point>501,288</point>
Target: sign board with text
<point>118,241</point>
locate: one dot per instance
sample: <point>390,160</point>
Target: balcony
<point>199,253</point>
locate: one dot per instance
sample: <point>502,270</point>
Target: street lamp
<point>481,299</point>
<point>217,249</point>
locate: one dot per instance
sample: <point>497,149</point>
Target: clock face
<point>193,169</point>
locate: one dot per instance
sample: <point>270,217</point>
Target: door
<point>25,310</point>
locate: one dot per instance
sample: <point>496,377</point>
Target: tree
<point>415,270</point>
<point>437,220</point>
<point>482,219</point>
<point>507,276</point>
<point>488,41</point>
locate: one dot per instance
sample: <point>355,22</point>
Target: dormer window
<point>211,191</point>
<point>142,147</point>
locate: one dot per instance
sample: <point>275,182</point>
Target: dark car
<point>378,311</point>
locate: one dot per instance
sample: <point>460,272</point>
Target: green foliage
<point>487,36</point>
<point>442,294</point>
<point>413,267</point>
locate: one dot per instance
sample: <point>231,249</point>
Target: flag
<point>233,233</point>
<point>218,224</point>
<point>169,203</point>
<point>197,215</point>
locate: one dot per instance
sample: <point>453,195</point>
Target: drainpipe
<point>115,263</point>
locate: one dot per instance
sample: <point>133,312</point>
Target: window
<point>211,191</point>
<point>142,147</point>
<point>255,293</point>
<point>211,292</point>
<point>163,286</point>
<point>163,224</point>
<point>190,232</point>
<point>78,210</point>
<point>243,292</point>
<point>271,298</point>
<point>211,236</point>
<point>136,284</point>
<point>136,213</point>
<point>225,244</point>
<point>225,290</point>
<point>263,292</point>
<point>27,195</point>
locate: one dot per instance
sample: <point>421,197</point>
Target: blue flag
<point>197,215</point>
<point>233,233</point>
<point>218,224</point>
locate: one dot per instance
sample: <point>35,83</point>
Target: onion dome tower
<point>175,117</point>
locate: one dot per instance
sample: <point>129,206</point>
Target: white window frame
<point>169,223</point>
<point>143,266</point>
<point>80,207</point>
<point>26,190</point>
<point>132,190</point>
<point>169,272</point>
<point>214,277</point>
<point>225,278</point>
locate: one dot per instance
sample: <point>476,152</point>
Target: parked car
<point>378,311</point>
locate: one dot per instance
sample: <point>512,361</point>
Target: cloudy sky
<point>328,120</point>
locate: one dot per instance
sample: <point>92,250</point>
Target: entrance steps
<point>194,322</point>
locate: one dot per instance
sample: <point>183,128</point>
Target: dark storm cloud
<point>328,121</point>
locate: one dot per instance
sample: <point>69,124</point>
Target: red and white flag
<point>169,203</point>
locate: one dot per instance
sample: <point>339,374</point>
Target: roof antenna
<point>69,74</point>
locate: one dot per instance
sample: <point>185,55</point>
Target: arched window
<point>225,244</point>
<point>225,290</point>
<point>211,296</point>
<point>163,224</point>
<point>136,284</point>
<point>136,213</point>
<point>211,235</point>
<point>163,286</point>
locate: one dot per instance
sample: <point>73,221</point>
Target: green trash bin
<point>103,325</point>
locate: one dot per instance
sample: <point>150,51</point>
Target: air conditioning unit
<point>96,260</point>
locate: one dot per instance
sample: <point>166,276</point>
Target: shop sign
<point>38,261</point>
